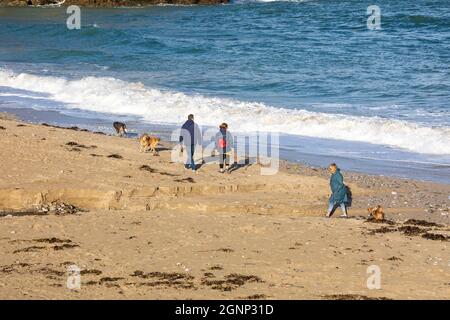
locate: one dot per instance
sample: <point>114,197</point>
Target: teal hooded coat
<point>338,188</point>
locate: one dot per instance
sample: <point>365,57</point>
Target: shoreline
<point>304,155</point>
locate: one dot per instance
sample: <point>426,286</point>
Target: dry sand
<point>152,230</point>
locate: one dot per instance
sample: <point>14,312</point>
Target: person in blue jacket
<point>338,192</point>
<point>190,137</point>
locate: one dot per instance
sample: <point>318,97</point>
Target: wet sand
<point>139,226</point>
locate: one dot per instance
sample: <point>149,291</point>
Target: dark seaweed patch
<point>422,223</point>
<point>168,174</point>
<point>190,180</point>
<point>256,297</point>
<point>109,279</point>
<point>23,213</point>
<point>227,250</point>
<point>352,297</point>
<point>115,156</point>
<point>216,267</point>
<point>147,168</point>
<point>411,231</point>
<point>394,258</point>
<point>435,236</point>
<point>382,230</point>
<point>91,271</point>
<point>231,282</point>
<point>167,279</point>
<point>384,221</point>
<point>65,246</point>
<point>51,272</point>
<point>29,249</point>
<point>52,240</point>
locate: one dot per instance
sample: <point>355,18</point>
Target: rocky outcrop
<point>105,3</point>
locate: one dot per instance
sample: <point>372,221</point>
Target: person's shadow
<point>236,166</point>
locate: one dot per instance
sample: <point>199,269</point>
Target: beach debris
<point>146,168</point>
<point>352,297</point>
<point>75,146</point>
<point>255,297</point>
<point>165,279</point>
<point>411,230</point>
<point>110,279</point>
<point>115,156</point>
<point>29,249</point>
<point>65,246</point>
<point>230,282</point>
<point>216,267</point>
<point>226,250</point>
<point>422,223</point>
<point>74,128</point>
<point>435,236</point>
<point>190,180</point>
<point>60,208</point>
<point>394,258</point>
<point>91,271</point>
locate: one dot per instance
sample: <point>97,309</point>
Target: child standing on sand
<point>224,144</point>
<point>338,192</point>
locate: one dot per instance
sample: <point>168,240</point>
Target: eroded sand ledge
<point>161,232</point>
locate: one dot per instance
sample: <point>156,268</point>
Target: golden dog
<point>376,213</point>
<point>149,142</point>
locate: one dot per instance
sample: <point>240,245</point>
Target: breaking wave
<point>114,96</point>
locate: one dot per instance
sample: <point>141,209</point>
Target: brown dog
<point>376,213</point>
<point>149,142</point>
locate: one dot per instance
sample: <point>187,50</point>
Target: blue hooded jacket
<point>338,188</point>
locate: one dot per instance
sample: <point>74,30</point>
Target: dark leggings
<point>224,158</point>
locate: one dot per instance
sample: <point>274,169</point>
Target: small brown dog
<point>149,142</point>
<point>376,213</point>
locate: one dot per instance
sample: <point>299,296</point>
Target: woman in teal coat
<point>338,192</point>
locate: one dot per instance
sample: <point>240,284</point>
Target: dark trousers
<point>224,158</point>
<point>333,206</point>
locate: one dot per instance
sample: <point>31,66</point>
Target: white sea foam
<point>114,96</point>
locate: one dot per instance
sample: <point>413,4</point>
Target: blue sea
<point>375,101</point>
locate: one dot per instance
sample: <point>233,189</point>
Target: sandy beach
<point>141,227</point>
